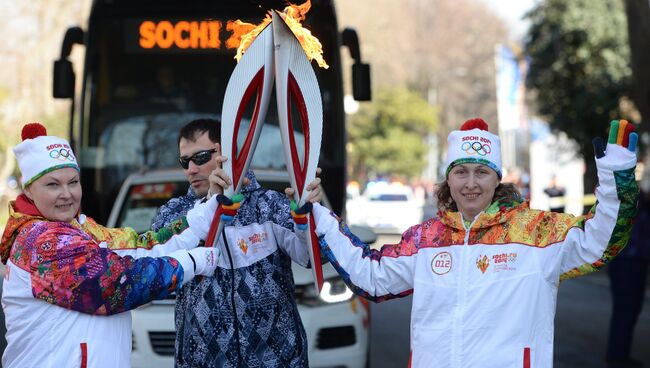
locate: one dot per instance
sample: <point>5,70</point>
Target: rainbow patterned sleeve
<point>69,269</point>
<point>127,238</point>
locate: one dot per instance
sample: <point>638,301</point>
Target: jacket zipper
<point>458,331</point>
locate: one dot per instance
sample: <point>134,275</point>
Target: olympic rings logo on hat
<point>62,154</point>
<point>474,148</point>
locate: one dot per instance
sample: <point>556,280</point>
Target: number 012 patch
<point>441,263</point>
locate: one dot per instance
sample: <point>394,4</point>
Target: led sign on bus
<point>183,34</point>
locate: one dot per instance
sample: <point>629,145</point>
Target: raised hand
<point>219,179</point>
<point>621,133</point>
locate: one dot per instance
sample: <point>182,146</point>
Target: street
<point>581,325</point>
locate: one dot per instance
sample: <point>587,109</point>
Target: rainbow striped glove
<point>300,214</point>
<point>229,206</point>
<point>622,133</point>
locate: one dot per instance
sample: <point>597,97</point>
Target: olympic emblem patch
<point>61,152</point>
<point>476,148</point>
<point>476,145</point>
<point>441,263</point>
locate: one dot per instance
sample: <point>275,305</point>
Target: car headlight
<point>334,291</point>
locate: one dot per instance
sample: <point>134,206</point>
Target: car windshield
<point>143,200</point>
<point>150,141</point>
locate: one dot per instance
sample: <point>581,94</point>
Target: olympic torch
<point>296,83</point>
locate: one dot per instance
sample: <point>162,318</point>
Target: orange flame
<point>245,33</point>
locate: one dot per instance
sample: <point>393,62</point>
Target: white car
<point>336,321</point>
<point>386,208</point>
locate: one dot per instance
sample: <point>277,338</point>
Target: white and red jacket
<point>485,296</point>
<point>68,286</point>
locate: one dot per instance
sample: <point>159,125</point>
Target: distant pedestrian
<point>555,194</point>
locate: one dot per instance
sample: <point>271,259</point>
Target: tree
<point>579,68</point>
<point>34,33</point>
<point>638,19</point>
<point>388,136</point>
<point>444,49</point>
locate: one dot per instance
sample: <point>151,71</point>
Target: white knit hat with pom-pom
<point>39,153</point>
<point>474,144</point>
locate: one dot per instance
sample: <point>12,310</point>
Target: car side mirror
<point>63,86</point>
<point>63,78</point>
<point>361,82</point>
<point>360,71</point>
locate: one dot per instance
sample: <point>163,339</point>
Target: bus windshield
<point>140,99</point>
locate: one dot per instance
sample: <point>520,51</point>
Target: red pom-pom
<point>477,123</point>
<point>33,130</point>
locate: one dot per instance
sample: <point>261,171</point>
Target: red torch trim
<point>294,93</point>
<point>256,85</point>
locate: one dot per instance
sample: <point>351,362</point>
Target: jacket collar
<point>26,206</point>
<point>15,222</point>
<point>498,212</point>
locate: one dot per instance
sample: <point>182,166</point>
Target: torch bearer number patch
<point>441,263</point>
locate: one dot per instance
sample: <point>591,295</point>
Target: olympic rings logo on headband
<point>62,154</point>
<point>474,148</point>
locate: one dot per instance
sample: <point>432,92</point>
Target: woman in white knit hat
<point>69,280</point>
<point>484,274</point>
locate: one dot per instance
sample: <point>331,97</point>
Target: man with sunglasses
<point>246,314</point>
<point>198,141</point>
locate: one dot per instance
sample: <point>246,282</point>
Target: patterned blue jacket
<point>246,315</point>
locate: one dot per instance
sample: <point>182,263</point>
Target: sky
<point>512,11</point>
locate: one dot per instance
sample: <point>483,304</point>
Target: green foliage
<point>579,65</point>
<point>388,136</point>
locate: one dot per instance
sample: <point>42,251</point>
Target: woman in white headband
<point>69,280</point>
<point>484,274</point>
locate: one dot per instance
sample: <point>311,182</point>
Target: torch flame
<point>245,33</point>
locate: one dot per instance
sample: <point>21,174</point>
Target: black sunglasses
<point>198,158</point>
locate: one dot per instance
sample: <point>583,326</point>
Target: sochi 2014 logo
<point>482,263</point>
<point>474,145</point>
<point>61,152</point>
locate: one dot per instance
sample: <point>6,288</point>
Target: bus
<point>152,66</point>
